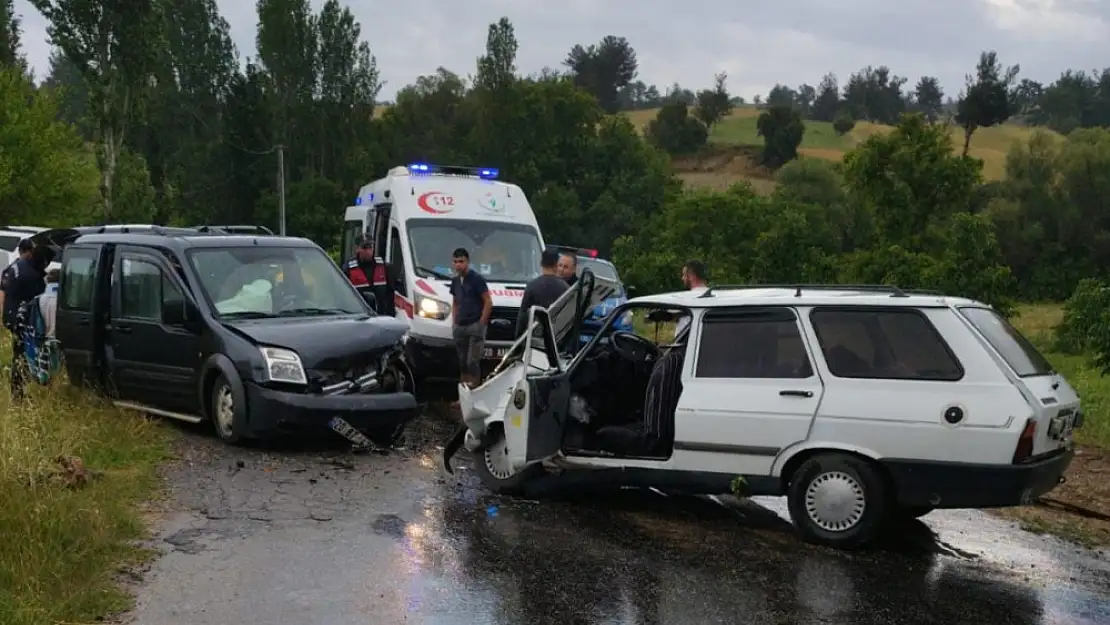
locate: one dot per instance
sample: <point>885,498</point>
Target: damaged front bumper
<point>273,410</point>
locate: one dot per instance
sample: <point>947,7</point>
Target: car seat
<point>656,432</point>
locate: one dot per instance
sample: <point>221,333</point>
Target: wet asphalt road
<point>321,537</point>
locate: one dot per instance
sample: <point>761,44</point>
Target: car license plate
<point>495,353</point>
<point>348,431</point>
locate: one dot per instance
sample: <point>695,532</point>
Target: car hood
<point>326,343</point>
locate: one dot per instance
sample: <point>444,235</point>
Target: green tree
<point>843,123</point>
<point>47,176</point>
<point>782,130</point>
<point>10,55</point>
<point>988,98</point>
<point>115,45</point>
<point>497,67</point>
<point>604,69</point>
<point>910,179</point>
<point>929,97</point>
<point>675,131</point>
<point>714,104</point>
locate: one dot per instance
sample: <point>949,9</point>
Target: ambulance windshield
<point>501,252</point>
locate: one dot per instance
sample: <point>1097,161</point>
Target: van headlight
<point>431,308</point>
<point>283,365</point>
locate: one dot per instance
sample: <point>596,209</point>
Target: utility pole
<point>281,188</point>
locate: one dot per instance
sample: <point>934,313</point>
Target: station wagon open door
<point>538,405</point>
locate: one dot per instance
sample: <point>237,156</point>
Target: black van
<point>253,332</point>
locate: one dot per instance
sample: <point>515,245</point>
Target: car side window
<point>752,343</point>
<point>889,344</point>
<point>78,279</point>
<point>397,262</point>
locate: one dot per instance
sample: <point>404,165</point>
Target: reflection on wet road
<point>306,538</point>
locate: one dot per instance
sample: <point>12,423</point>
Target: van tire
<point>223,413</point>
<point>855,489</point>
<point>486,463</point>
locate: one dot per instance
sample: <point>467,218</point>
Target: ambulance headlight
<point>282,365</point>
<point>431,308</point>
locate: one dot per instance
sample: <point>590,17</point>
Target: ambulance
<point>417,215</point>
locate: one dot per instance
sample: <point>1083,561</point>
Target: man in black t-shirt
<point>20,282</point>
<point>542,290</point>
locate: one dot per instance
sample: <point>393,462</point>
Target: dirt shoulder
<point>1078,509</point>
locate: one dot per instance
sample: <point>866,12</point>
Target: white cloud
<point>758,44</point>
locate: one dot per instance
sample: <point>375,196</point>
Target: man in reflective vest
<point>366,271</point>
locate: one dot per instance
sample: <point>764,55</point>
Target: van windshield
<point>267,281</point>
<point>501,252</point>
<point>1014,348</point>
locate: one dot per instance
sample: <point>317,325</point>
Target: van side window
<point>885,344</point>
<point>752,343</point>
<point>397,262</point>
<point>78,279</point>
<point>140,290</point>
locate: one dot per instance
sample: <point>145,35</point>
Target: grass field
<point>821,141</point>
<point>66,541</point>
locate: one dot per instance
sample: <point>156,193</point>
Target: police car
<point>590,259</point>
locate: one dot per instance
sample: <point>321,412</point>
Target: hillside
<point>718,171</point>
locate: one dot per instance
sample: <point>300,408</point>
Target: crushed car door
<point>540,401</point>
<point>569,311</point>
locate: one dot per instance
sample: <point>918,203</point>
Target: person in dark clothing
<point>568,268</point>
<point>360,269</point>
<point>470,315</point>
<point>542,290</point>
<point>20,282</point>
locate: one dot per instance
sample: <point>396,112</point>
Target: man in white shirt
<point>48,302</point>
<point>693,278</point>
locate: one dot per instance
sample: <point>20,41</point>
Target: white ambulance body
<point>417,216</point>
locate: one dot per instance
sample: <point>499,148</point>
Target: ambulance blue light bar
<point>485,173</point>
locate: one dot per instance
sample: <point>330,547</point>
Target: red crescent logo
<point>436,203</point>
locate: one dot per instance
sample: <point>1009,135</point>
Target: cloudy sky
<point>757,43</point>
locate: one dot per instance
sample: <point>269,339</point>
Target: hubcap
<point>835,501</point>
<point>225,411</point>
<point>496,457</point>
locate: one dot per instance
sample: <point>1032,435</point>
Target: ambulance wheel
<point>493,468</point>
<point>838,500</point>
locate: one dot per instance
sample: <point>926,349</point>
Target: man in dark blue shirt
<point>20,282</point>
<point>470,314</point>
<point>541,291</point>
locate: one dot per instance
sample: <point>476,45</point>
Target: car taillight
<point>1025,442</point>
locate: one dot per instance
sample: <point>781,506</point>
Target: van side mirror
<point>370,299</point>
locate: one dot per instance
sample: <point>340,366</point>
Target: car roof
<point>165,236</point>
<point>804,295</point>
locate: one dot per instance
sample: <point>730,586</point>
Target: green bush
<point>1086,322</point>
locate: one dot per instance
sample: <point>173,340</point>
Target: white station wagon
<point>859,404</point>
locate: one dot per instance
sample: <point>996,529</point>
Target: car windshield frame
<point>284,257</point>
<point>1035,363</point>
<point>413,226</point>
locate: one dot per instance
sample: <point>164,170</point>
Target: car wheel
<point>222,412</point>
<point>496,473</point>
<point>912,512</point>
<point>838,500</point>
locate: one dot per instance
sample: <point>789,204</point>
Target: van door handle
<point>796,393</point>
<point>123,329</point>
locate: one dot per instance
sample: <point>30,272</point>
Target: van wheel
<point>838,500</point>
<point>494,470</point>
<point>222,411</point>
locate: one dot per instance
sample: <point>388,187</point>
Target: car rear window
<point>1014,348</point>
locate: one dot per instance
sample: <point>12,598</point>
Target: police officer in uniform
<point>367,272</point>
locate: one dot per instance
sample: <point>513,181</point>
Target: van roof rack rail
<point>234,229</point>
<point>894,291</point>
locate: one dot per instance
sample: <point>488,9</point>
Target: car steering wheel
<point>634,347</point>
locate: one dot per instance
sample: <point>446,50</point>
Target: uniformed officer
<point>20,282</point>
<point>367,272</point>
